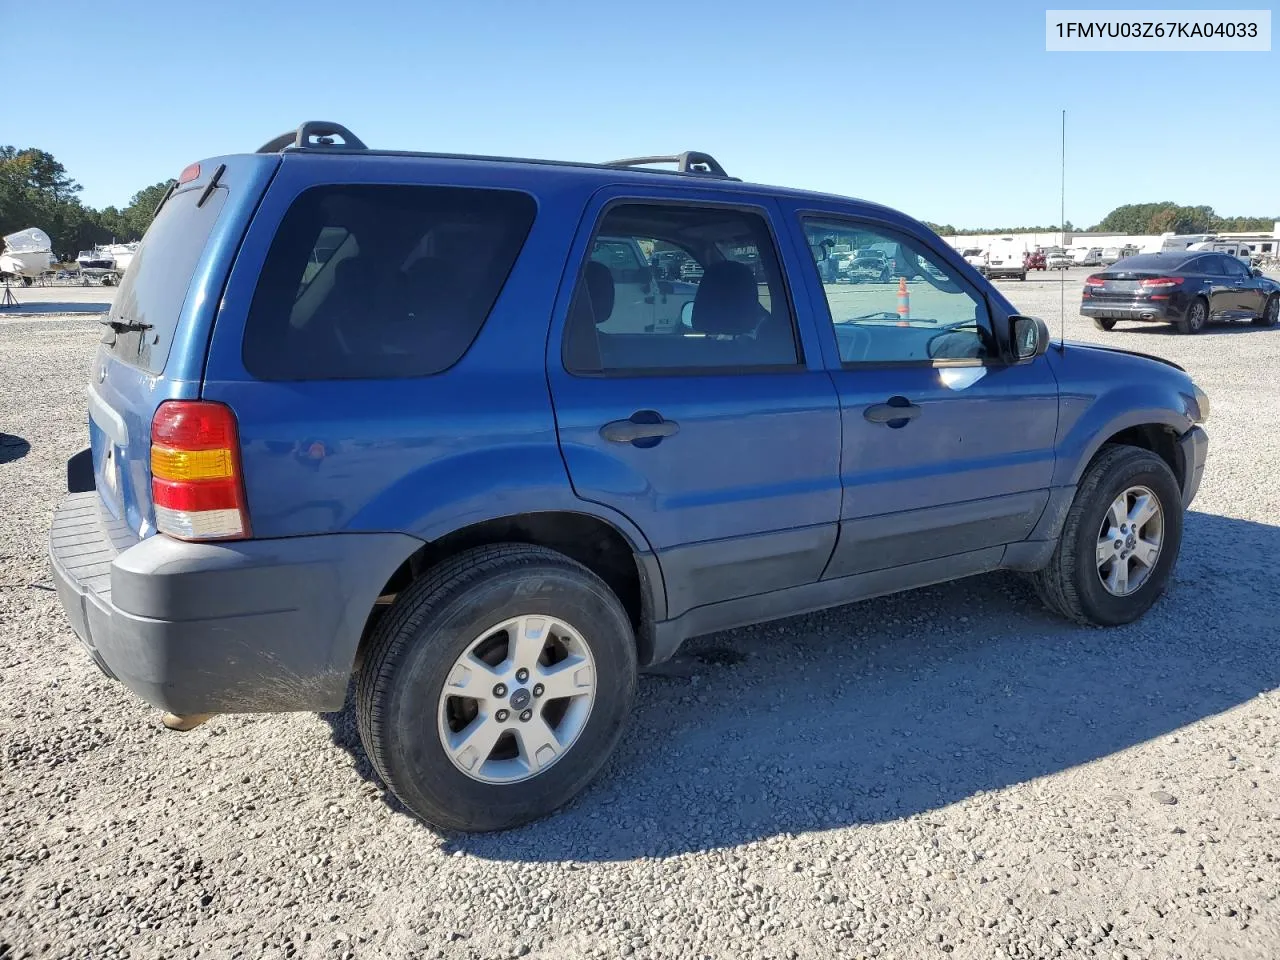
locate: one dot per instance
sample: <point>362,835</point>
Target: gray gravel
<point>949,772</point>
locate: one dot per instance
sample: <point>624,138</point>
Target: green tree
<point>137,215</point>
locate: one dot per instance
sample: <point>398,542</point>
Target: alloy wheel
<point>517,699</point>
<point>1129,541</point>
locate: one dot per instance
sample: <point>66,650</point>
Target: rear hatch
<point>157,331</point>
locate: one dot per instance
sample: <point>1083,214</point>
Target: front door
<point>948,450</point>
<point>1250,294</point>
<point>720,440</point>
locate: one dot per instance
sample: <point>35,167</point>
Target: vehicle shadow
<point>1209,330</point>
<point>62,306</point>
<point>898,706</point>
<point>12,448</point>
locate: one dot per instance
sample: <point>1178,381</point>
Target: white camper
<point>1232,248</point>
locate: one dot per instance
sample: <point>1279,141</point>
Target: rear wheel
<point>496,687</point>
<point>1270,312</point>
<point>1119,542</point>
<point>1196,317</point>
<point>1102,324</point>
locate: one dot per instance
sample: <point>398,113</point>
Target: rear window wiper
<point>126,326</point>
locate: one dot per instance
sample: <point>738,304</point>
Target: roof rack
<point>314,133</point>
<point>320,135</point>
<point>691,161</point>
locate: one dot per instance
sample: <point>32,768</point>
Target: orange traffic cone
<point>904,300</point>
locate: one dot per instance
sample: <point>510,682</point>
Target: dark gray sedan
<point>1185,288</point>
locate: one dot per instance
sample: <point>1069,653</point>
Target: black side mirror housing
<point>1256,271</point>
<point>1029,337</point>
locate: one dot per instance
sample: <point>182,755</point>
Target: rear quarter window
<point>374,281</point>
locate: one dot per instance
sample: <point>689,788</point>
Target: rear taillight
<point>196,482</point>
<point>1094,282</point>
<point>1162,282</point>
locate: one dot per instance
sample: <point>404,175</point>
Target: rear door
<point>948,451</point>
<point>721,439</point>
<point>153,348</point>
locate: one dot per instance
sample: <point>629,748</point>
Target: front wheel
<point>1128,508</point>
<point>1270,312</point>
<point>496,687</point>
<point>1102,324</point>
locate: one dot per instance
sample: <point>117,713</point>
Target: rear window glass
<point>1153,261</point>
<point>154,286</point>
<point>381,281</point>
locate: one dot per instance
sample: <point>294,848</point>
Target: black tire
<point>1070,584</point>
<point>416,646</point>
<point>1197,315</point>
<point>1102,324</point>
<point>884,276</point>
<point>1023,276</point>
<point>1270,312</point>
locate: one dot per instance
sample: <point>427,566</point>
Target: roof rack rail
<point>691,161</point>
<point>313,133</point>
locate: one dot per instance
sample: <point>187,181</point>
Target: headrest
<point>599,289</point>
<point>727,301</point>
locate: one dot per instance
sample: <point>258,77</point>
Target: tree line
<point>1136,218</point>
<point>36,191</point>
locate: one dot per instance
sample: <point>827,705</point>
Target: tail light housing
<point>1162,282</point>
<point>1094,282</point>
<point>197,485</point>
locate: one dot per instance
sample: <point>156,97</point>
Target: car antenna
<point>1062,225</point>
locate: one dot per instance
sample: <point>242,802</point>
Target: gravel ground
<point>947,772</point>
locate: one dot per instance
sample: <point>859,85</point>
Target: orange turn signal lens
<point>170,464</point>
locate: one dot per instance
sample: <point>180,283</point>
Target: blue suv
<point>454,427</point>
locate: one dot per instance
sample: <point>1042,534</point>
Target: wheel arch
<point>1159,438</point>
<point>613,551</point>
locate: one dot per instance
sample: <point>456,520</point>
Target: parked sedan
<point>1185,288</point>
<point>1059,261</point>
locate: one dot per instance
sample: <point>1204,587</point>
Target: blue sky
<point>949,111</point>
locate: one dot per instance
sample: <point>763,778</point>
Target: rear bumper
<point>1120,310</point>
<point>237,627</point>
<point>1193,448</point>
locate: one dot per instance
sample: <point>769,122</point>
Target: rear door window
<point>376,281</point>
<point>154,287</point>
<point>732,313</point>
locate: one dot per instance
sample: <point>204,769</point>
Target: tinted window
<point>718,303</point>
<point>381,281</point>
<point>1233,267</point>
<point>155,285</point>
<point>1153,261</point>
<point>910,310</point>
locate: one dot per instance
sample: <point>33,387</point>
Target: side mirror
<point>1256,271</point>
<point>686,314</point>
<point>1030,336</point>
